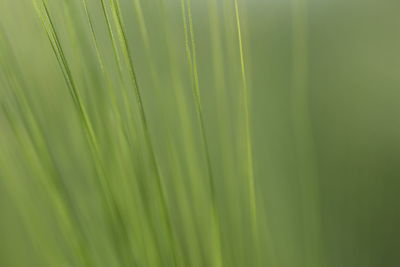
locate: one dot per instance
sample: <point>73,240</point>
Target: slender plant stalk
<point>105,73</point>
<point>111,207</point>
<point>54,182</point>
<point>249,146</point>
<point>185,122</point>
<point>190,45</point>
<point>132,74</point>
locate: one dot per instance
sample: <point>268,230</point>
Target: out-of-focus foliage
<point>199,133</point>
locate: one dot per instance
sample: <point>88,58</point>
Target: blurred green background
<point>323,79</point>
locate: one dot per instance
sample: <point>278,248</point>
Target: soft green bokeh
<point>303,153</point>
